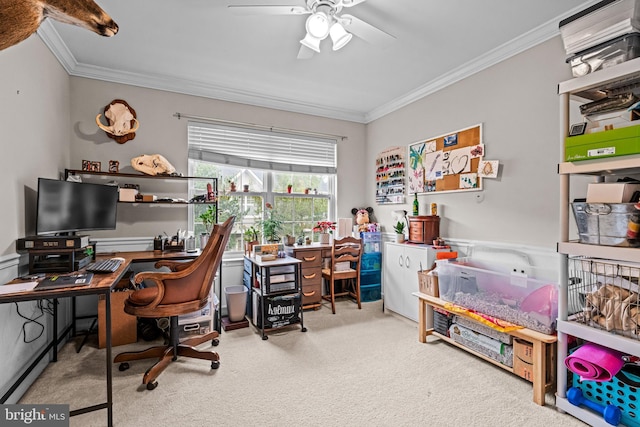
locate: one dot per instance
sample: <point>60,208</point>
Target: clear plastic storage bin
<point>525,296</point>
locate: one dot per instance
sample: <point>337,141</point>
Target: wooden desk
<point>311,257</point>
<point>101,284</point>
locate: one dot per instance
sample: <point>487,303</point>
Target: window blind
<point>260,149</point>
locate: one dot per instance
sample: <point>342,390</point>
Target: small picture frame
<point>90,166</point>
<point>114,166</point>
<point>577,129</point>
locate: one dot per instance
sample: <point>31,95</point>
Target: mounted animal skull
<point>122,121</point>
<point>21,18</point>
<point>152,164</point>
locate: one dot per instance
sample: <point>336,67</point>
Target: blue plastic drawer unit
<point>372,241</point>
<point>370,293</point>
<point>371,261</point>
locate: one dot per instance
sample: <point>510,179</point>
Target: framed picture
<point>114,166</point>
<point>91,166</point>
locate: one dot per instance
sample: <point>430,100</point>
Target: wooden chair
<point>183,290</point>
<point>346,250</point>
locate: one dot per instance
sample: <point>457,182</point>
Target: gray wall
<point>517,103</point>
<point>34,119</point>
<point>162,133</point>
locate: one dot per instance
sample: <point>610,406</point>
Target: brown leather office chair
<point>183,290</point>
<point>346,254</point>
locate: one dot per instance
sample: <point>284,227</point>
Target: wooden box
<point>424,229</point>
<point>123,325</point>
<point>428,283</point>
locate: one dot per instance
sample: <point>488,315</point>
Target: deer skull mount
<point>122,121</point>
<point>153,164</point>
<point>21,18</point>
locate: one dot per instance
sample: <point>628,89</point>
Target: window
<point>296,175</point>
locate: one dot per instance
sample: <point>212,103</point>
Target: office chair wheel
<point>215,364</point>
<point>152,385</point>
<point>123,366</point>
<point>215,342</point>
<point>303,330</point>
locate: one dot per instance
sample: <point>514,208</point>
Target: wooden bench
<point>540,341</point>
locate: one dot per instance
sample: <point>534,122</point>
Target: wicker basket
<point>428,283</point>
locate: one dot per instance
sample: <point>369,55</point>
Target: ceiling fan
<point>325,20</point>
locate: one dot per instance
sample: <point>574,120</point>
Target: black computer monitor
<point>66,207</point>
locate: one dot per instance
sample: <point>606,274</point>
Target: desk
<point>101,284</point>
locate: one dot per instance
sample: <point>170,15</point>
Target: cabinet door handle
<point>407,262</point>
<point>312,293</point>
<point>400,261</point>
<point>309,259</point>
<point>311,276</point>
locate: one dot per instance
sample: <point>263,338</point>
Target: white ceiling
<point>200,47</point>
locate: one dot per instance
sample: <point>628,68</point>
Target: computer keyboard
<point>104,266</point>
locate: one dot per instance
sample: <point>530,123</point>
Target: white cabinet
<point>401,265</point>
<point>625,74</point>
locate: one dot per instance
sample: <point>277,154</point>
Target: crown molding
<point>521,43</point>
<point>52,40</point>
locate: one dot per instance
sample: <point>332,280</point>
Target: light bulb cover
<point>339,36</point>
<point>311,42</point>
<point>318,25</point>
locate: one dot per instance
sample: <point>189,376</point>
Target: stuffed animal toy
<point>364,217</point>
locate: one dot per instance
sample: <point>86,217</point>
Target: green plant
<point>399,227</point>
<point>251,234</point>
<point>271,225</point>
<point>208,217</point>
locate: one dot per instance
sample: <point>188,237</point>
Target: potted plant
<point>289,187</point>
<point>324,228</point>
<point>399,229</point>
<point>208,218</point>
<point>271,225</point>
<point>251,239</point>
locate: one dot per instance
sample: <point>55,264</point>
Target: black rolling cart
<point>276,295</point>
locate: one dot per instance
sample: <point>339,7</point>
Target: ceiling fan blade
<point>305,52</point>
<point>350,3</point>
<point>268,10</point>
<point>366,32</point>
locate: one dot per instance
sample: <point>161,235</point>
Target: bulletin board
<point>447,163</point>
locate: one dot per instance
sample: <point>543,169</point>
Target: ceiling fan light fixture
<point>318,25</point>
<point>311,42</point>
<point>339,36</point>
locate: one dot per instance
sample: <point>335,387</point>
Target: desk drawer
<point>311,275</point>
<point>312,294</point>
<point>310,258</point>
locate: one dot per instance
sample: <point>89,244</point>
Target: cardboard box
<point>523,350</point>
<point>523,369</point>
<point>611,192</point>
<point>149,198</point>
<point>127,194</point>
<point>123,326</point>
<point>523,361</point>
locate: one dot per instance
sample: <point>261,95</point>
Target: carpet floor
<point>355,368</point>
